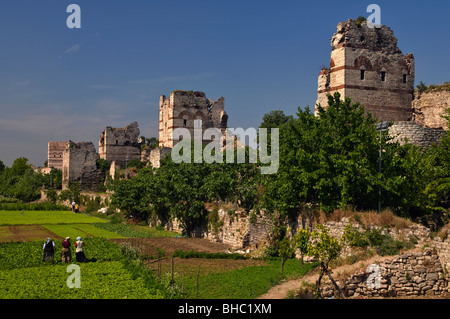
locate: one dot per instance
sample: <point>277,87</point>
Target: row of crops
<point>109,273</point>
<point>117,271</point>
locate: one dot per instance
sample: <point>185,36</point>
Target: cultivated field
<point>205,273</point>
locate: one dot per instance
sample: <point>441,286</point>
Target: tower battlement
<point>367,66</point>
<point>182,108</point>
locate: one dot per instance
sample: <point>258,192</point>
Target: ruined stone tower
<point>55,154</point>
<point>80,165</point>
<point>120,144</point>
<point>182,108</point>
<point>367,66</point>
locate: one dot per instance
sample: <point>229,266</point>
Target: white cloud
<point>18,84</point>
<point>72,49</point>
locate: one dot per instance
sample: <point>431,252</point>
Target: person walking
<point>49,250</point>
<point>66,254</point>
<point>79,250</point>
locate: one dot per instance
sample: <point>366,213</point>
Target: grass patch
<point>31,206</point>
<point>131,231</point>
<point>194,254</point>
<point>244,283</point>
<point>45,217</point>
<point>82,230</point>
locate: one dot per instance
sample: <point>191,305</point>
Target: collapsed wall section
<point>80,165</point>
<point>414,133</point>
<point>429,106</point>
<point>120,145</point>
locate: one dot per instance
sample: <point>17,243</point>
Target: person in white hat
<point>79,250</point>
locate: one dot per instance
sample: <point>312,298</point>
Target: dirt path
<point>281,291</point>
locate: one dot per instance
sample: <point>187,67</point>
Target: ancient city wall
<point>414,133</point>
<point>80,165</point>
<point>429,106</point>
<point>182,108</point>
<point>120,144</point>
<point>154,156</point>
<point>234,228</point>
<point>240,230</point>
<point>416,273</point>
<point>442,245</point>
<point>55,154</point>
<point>410,274</point>
<point>367,66</point>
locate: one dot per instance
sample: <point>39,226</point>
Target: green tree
<point>20,166</point>
<point>103,165</point>
<point>52,196</point>
<point>301,240</point>
<point>325,248</point>
<point>186,193</point>
<point>131,195</point>
<point>330,160</point>
<point>275,119</point>
<point>285,250</point>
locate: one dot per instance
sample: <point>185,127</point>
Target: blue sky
<point>58,83</point>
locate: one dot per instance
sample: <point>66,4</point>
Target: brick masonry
<point>182,108</point>
<point>367,66</point>
<point>409,274</point>
<point>415,133</point>
<point>120,145</point>
<point>430,106</point>
<point>55,154</point>
<point>80,165</point>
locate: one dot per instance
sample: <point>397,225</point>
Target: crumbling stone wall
<point>410,274</point>
<point>182,108</point>
<point>80,165</point>
<point>154,156</point>
<point>417,231</point>
<point>235,228</point>
<point>429,106</point>
<point>442,246</point>
<point>55,154</point>
<point>414,133</point>
<point>120,144</point>
<point>367,66</point>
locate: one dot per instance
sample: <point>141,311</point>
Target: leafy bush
<point>8,200</point>
<point>383,244</point>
